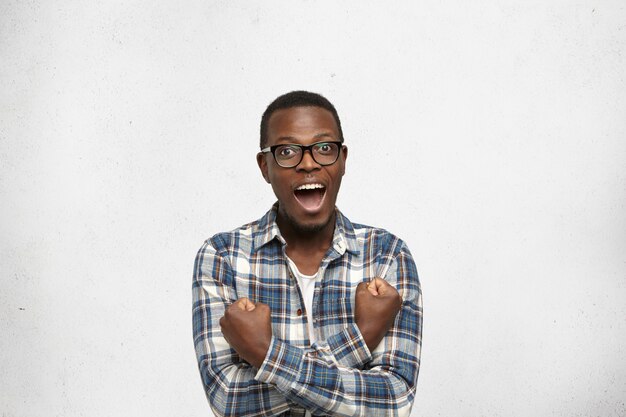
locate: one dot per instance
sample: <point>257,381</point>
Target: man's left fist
<point>247,328</point>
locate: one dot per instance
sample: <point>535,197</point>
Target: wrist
<point>371,334</point>
<point>259,355</point>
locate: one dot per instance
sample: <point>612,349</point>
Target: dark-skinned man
<point>303,312</point>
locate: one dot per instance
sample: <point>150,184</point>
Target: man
<point>303,312</point>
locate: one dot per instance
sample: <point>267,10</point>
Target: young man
<point>303,312</point>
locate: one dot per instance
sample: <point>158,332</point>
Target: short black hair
<point>297,99</point>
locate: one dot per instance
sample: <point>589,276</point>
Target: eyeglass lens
<point>290,155</point>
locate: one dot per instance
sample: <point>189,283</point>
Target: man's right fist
<point>247,328</point>
<point>377,304</point>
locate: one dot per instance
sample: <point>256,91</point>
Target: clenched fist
<point>247,328</point>
<point>377,304</point>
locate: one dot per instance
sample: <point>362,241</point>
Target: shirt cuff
<point>348,347</point>
<point>281,366</point>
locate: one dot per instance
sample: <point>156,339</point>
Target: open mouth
<point>310,196</point>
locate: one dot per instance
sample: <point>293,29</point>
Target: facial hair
<point>304,229</point>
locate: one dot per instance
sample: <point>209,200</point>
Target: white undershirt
<point>307,288</point>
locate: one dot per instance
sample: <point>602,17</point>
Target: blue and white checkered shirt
<point>337,375</point>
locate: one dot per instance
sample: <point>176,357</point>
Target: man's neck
<point>306,242</point>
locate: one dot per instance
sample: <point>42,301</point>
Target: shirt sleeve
<point>385,386</point>
<point>228,381</point>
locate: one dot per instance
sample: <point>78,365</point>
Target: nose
<point>307,163</point>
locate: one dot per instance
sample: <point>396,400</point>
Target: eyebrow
<point>291,139</point>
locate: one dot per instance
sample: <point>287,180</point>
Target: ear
<point>262,162</point>
<point>344,156</point>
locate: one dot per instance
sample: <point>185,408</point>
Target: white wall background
<point>490,135</point>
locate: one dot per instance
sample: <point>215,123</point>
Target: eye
<point>287,151</point>
<point>325,148</point>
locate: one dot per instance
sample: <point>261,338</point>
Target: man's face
<point>306,210</point>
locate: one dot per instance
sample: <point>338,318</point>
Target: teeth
<point>309,187</point>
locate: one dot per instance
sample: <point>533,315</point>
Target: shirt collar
<point>267,230</point>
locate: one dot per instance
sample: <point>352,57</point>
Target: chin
<point>311,226</point>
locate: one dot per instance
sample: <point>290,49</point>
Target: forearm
<point>314,379</point>
<point>232,390</point>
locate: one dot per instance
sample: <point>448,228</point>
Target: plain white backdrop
<point>490,136</point>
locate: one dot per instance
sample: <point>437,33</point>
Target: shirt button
<point>299,312</point>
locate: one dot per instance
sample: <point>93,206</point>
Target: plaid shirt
<point>337,375</point>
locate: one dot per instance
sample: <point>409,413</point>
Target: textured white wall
<point>490,135</point>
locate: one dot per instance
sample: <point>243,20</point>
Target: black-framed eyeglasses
<point>289,155</point>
